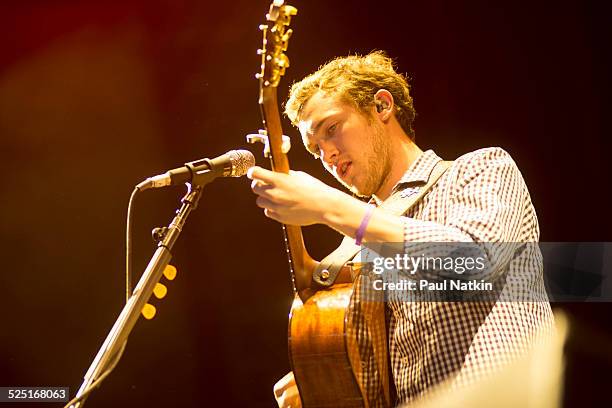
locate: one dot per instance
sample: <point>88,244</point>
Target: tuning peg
<point>170,272</point>
<point>160,291</point>
<point>285,39</point>
<point>148,311</point>
<point>289,10</point>
<point>263,27</point>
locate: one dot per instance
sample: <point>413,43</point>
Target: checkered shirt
<point>481,198</point>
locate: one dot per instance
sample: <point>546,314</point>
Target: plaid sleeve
<point>485,203</point>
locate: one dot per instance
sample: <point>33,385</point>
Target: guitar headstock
<point>276,36</point>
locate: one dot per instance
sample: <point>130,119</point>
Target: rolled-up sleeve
<point>484,203</point>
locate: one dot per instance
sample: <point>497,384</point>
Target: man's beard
<point>375,164</point>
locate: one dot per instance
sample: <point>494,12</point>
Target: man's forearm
<point>345,214</point>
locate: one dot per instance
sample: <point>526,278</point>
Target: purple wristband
<point>364,224</point>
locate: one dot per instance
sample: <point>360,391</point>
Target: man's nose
<point>329,154</point>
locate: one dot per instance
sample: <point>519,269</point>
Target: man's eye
<point>332,129</point>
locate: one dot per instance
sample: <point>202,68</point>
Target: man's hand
<point>300,199</point>
<point>295,198</point>
<point>286,392</point>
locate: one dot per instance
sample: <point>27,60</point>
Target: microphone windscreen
<point>241,160</point>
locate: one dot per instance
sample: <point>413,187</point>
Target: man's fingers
<point>272,214</point>
<point>266,203</point>
<point>260,188</point>
<point>281,385</point>
<point>259,173</point>
<point>278,391</point>
<point>269,208</point>
<point>286,392</point>
<point>272,195</point>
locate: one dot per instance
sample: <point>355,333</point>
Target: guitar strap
<point>398,204</point>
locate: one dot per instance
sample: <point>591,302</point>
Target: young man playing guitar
<point>356,115</point>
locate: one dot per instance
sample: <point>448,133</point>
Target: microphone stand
<point>112,346</point>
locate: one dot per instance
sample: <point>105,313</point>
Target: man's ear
<point>383,101</point>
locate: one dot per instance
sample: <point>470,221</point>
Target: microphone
<point>234,163</point>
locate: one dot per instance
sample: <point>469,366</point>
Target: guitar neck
<point>271,116</point>
<point>302,263</point>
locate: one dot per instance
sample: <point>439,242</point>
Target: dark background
<point>97,95</point>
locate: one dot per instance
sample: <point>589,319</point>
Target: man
<point>356,115</point>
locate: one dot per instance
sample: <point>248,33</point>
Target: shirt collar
<point>418,173</point>
<point>420,170</point>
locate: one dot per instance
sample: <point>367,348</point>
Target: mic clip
<point>262,137</point>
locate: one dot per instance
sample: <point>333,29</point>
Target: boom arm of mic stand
<point>141,294</point>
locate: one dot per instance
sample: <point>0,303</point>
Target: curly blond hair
<point>355,79</point>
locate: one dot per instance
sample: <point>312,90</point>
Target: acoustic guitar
<point>331,363</point>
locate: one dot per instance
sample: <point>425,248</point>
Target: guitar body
<point>321,351</point>
<point>337,344</point>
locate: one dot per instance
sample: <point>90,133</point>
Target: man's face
<point>351,146</point>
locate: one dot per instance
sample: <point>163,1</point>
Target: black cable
<point>128,246</point>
